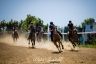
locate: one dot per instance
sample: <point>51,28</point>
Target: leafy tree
<point>3,24</point>
<point>45,27</point>
<point>88,21</point>
<point>31,19</point>
<point>12,24</point>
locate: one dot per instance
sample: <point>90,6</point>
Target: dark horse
<point>31,38</point>
<point>39,36</point>
<point>15,35</point>
<point>57,40</point>
<point>73,37</point>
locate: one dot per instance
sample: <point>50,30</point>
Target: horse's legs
<point>73,43</point>
<point>16,39</point>
<point>29,42</point>
<point>62,45</point>
<point>55,43</point>
<point>59,46</point>
<point>34,42</point>
<point>37,37</point>
<point>13,39</point>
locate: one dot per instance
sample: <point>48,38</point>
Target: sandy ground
<point>44,53</point>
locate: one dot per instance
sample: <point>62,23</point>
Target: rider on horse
<point>38,32</point>
<point>70,29</point>
<point>51,28</point>
<point>32,31</point>
<point>15,34</point>
<point>70,26</point>
<point>38,29</point>
<point>15,31</point>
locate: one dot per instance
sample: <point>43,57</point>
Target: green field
<point>88,46</point>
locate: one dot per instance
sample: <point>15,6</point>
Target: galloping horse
<point>31,38</point>
<point>57,40</point>
<point>39,36</point>
<point>73,37</point>
<point>39,33</point>
<point>15,35</point>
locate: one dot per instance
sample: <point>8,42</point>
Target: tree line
<point>23,24</point>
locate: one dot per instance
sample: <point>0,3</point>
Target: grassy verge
<point>88,46</point>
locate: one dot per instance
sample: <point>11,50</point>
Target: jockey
<point>32,28</point>
<point>70,29</point>
<point>51,28</point>
<point>38,28</point>
<point>70,26</point>
<point>15,33</point>
<point>14,29</point>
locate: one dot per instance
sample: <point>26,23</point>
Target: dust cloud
<point>22,41</point>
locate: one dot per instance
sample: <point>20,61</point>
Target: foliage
<point>88,21</point>
<point>88,46</point>
<point>31,19</point>
<point>23,24</point>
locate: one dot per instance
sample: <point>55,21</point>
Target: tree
<point>45,28</point>
<point>31,19</point>
<point>88,21</point>
<point>20,25</point>
<point>3,24</point>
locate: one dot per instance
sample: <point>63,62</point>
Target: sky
<point>57,11</point>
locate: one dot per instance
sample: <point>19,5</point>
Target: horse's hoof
<point>33,47</point>
<point>62,47</point>
<point>60,51</point>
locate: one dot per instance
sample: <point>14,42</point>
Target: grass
<point>88,46</point>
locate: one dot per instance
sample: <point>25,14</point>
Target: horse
<point>39,36</point>
<point>73,37</point>
<point>31,39</point>
<point>15,35</point>
<point>39,33</point>
<point>57,40</point>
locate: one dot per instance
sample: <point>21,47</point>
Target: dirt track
<point>10,54</point>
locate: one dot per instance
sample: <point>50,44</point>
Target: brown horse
<point>73,37</point>
<point>15,35</point>
<point>57,40</point>
<point>31,39</point>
